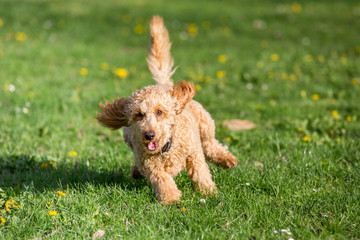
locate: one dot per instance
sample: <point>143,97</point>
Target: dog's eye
<point>159,112</point>
<point>140,115</point>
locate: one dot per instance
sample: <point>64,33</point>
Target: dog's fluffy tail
<point>159,58</point>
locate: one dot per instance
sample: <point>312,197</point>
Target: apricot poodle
<point>167,130</point>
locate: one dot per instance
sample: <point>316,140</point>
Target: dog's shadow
<point>19,171</point>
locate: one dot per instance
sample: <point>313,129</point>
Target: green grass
<point>311,188</point>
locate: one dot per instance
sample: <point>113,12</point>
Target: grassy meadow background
<point>292,68</point>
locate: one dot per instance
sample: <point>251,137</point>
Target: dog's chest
<point>174,163</point>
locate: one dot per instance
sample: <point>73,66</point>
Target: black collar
<point>167,147</point>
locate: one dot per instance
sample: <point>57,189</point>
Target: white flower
<point>249,86</point>
<point>264,87</point>
<point>287,231</point>
<point>291,239</point>
<point>276,232</point>
<point>12,88</point>
<point>314,190</point>
<point>247,184</point>
<point>25,110</point>
<point>202,200</point>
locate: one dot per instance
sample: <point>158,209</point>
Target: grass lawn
<point>291,68</point>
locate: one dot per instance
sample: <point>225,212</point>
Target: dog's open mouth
<point>152,146</point>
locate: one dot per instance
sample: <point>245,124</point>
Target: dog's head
<point>149,112</point>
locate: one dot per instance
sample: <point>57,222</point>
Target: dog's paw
<point>170,197</point>
<point>229,162</point>
<point>209,190</point>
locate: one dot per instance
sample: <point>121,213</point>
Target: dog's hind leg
<point>213,150</point>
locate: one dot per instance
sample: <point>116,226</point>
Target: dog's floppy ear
<point>183,92</point>
<point>113,114</point>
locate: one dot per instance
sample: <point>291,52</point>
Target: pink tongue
<point>152,146</point>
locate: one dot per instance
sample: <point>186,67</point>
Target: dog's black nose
<point>150,135</point>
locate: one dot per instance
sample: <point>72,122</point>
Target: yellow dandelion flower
<point>2,221</point>
<point>297,70</point>
<point>183,209</point>
<point>222,58</point>
<point>1,22</point>
<point>52,213</point>
<point>349,118</point>
<point>197,87</point>
<point>306,139</point>
<point>303,93</point>
<point>61,194</point>
<point>284,76</point>
<point>9,204</point>
<point>272,102</point>
<point>207,79</point>
<point>315,97</point>
<point>31,94</point>
<point>321,59</point>
<point>274,57</point>
<point>335,114</point>
<point>271,75</point>
<point>228,139</point>
<point>258,107</point>
<point>227,31</point>
<point>139,29</point>
<point>72,153</point>
<point>343,59</point>
<point>17,206</point>
<point>121,72</point>
<point>260,64</point>
<point>220,74</point>
<point>296,7</point>
<point>83,71</point>
<point>104,66</point>
<point>49,204</point>
<point>20,36</point>
<point>96,212</point>
<point>357,49</point>
<point>354,81</point>
<point>308,58</point>
<point>292,77</point>
<point>192,29</point>
<point>44,165</point>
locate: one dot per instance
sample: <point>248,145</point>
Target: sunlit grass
<point>292,68</point>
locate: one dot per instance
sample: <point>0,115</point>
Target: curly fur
<point>152,116</point>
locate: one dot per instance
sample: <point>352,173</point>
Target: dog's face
<point>149,112</point>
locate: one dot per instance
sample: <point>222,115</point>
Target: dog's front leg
<point>199,172</point>
<point>165,187</point>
